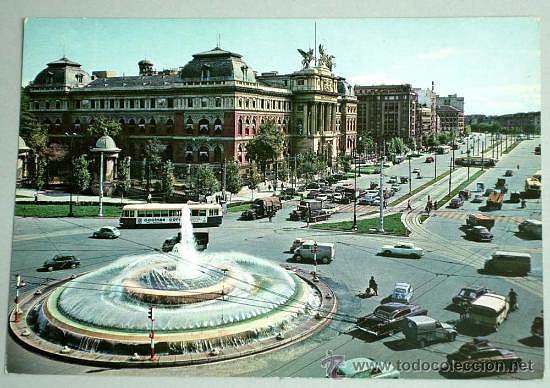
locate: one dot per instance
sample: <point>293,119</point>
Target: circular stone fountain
<point>223,304</point>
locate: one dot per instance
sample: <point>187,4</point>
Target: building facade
<point>387,111</point>
<point>451,100</point>
<point>204,112</point>
<point>451,119</point>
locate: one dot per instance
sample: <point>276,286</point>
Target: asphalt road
<point>436,278</point>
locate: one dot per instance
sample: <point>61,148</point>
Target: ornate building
<point>205,111</point>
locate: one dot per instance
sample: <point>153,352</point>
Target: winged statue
<point>307,57</point>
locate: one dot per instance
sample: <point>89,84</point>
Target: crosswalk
<point>454,215</point>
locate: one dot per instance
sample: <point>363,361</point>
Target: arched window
<point>57,105</point>
<point>47,105</point>
<point>203,125</point>
<point>240,127</point>
<point>217,154</point>
<point>254,126</point>
<point>141,123</point>
<point>57,122</point>
<point>246,103</point>
<point>240,153</point>
<point>152,121</point>
<point>247,127</point>
<point>253,103</point>
<point>240,102</point>
<point>132,122</point>
<point>189,154</point>
<point>218,102</point>
<point>169,125</point>
<point>218,125</point>
<point>77,123</point>
<point>203,154</point>
<point>121,121</point>
<point>204,102</point>
<point>189,124</point>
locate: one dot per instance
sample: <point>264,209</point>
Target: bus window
<point>194,212</point>
<point>202,212</point>
<point>213,212</point>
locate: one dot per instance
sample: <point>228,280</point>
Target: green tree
<point>365,144</point>
<point>432,141</point>
<point>37,140</point>
<point>308,165</point>
<point>344,162</point>
<point>254,178</point>
<point>153,155</point>
<point>444,138</point>
<point>233,181</point>
<point>102,126</point>
<point>283,171</point>
<point>167,179</point>
<point>124,182</point>
<point>467,130</point>
<point>266,146</point>
<point>81,174</point>
<point>206,182</point>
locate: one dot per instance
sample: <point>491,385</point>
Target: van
<point>477,219</point>
<point>422,330</point>
<point>325,252</point>
<point>489,310</point>
<point>515,263</point>
<point>531,228</point>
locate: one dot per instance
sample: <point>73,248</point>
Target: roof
<point>217,65</point>
<point>402,285</point>
<point>135,81</point>
<point>421,319</point>
<point>511,254</point>
<point>106,143</point>
<point>393,306</point>
<point>62,73</point>
<point>170,206</point>
<point>492,301</point>
<point>64,61</point>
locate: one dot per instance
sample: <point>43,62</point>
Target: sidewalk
<point>27,195</point>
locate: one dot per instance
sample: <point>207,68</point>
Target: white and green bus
<point>168,215</point>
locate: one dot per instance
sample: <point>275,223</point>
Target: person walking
<point>409,205</point>
<point>36,197</point>
<point>149,197</point>
<point>373,285</point>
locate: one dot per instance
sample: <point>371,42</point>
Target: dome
<point>105,144</point>
<point>217,65</point>
<point>145,62</point>
<point>22,145</point>
<point>62,73</point>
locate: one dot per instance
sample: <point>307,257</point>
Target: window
<point>218,102</point>
<point>132,103</point>
<point>262,104</point>
<point>111,104</point>
<point>300,82</point>
<point>203,125</point>
<point>79,78</point>
<point>189,102</point>
<point>170,103</point>
<point>204,102</point>
<point>142,103</point>
<point>240,127</point>
<point>57,105</point>
<point>152,122</point>
<point>218,125</point>
<point>121,103</point>
<point>141,123</point>
<point>189,124</point>
<point>217,154</point>
<point>253,103</point>
<point>189,154</point>
<point>240,103</point>
<point>153,103</point>
<point>36,105</point>
<point>121,121</point>
<point>246,103</point>
<point>102,104</point>
<point>92,104</point>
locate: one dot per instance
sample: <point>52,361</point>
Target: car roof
<point>402,284</point>
<point>394,306</point>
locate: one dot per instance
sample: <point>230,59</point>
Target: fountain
<point>231,301</point>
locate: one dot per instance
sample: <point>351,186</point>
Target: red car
<point>429,159</point>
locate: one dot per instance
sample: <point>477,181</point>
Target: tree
<point>81,174</point>
<point>153,155</point>
<point>344,162</point>
<point>267,145</point>
<point>124,182</point>
<point>432,141</point>
<point>443,138</point>
<point>283,171</point>
<point>206,182</point>
<point>308,165</point>
<point>102,126</point>
<point>254,178</point>
<point>167,178</point>
<point>37,140</point>
<point>233,181</point>
<point>365,144</point>
<point>467,130</point>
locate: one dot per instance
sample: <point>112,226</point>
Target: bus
<point>442,149</point>
<point>475,161</point>
<point>169,215</point>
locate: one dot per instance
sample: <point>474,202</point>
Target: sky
<point>494,63</point>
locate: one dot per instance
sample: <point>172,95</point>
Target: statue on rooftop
<point>307,57</point>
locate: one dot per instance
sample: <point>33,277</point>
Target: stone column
<point>333,118</point>
<point>315,119</point>
<point>322,117</point>
<point>327,117</point>
<point>306,119</point>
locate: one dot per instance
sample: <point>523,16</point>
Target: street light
<point>71,136</point>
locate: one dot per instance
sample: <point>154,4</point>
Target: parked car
<point>456,202</point>
<point>312,194</point>
<point>106,232</point>
<point>366,368</point>
<point>365,200</point>
<point>467,295</point>
<point>509,173</point>
<point>416,170</point>
<point>531,228</point>
<point>61,262</point>
<point>337,196</point>
<point>403,179</point>
<point>465,194</point>
<point>395,188</point>
<point>479,233</point>
<point>402,292</point>
<point>478,198</point>
<point>313,185</point>
<point>429,159</point>
<point>480,355</point>
<point>388,318</point>
<point>422,330</point>
<point>393,179</point>
<point>405,249</point>
<point>515,197</point>
<point>321,197</point>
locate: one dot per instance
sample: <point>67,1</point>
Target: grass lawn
<point>419,189</point>
<point>392,225</point>
<point>32,210</point>
<point>510,147</point>
<point>238,208</point>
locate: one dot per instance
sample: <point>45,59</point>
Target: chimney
<point>432,86</point>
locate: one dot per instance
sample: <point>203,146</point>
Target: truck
<point>494,201</point>
<point>262,207</point>
<point>422,330</point>
<point>532,187</point>
<point>310,211</point>
<point>477,219</point>
<point>201,241</point>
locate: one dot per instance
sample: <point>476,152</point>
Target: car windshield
<point>400,290</point>
<point>382,312</point>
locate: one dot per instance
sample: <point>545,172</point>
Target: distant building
<point>451,119</point>
<point>386,111</point>
<point>426,119</point>
<point>451,100</point>
<point>527,120</point>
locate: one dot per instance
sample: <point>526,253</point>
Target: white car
<point>405,249</point>
<point>337,196</point>
<point>416,170</point>
<point>402,293</point>
<point>393,179</point>
<point>395,187</point>
<point>478,198</point>
<point>321,197</point>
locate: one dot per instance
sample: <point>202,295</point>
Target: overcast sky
<point>493,62</point>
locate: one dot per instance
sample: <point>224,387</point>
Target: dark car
<point>456,202</point>
<point>537,327</point>
<point>479,233</point>
<point>106,232</point>
<point>61,262</point>
<point>480,355</point>
<point>313,185</point>
<point>201,241</point>
<point>313,194</point>
<point>509,173</point>
<point>429,159</point>
<point>388,318</point>
<point>469,294</point>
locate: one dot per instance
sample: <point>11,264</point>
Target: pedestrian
<point>36,197</point>
<point>149,197</point>
<point>282,186</point>
<point>517,166</point>
<point>269,188</point>
<point>409,204</point>
<point>373,285</point>
<point>270,215</point>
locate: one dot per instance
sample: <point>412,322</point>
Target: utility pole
<point>468,153</point>
<point>493,145</point>
<point>355,191</point>
<point>71,184</point>
<point>453,157</point>
<point>410,180</point>
<point>482,155</point>
<point>381,220</point>
<point>314,250</point>
<point>18,284</point>
<point>100,184</point>
<point>435,165</point>
<point>224,179</point>
<point>450,175</point>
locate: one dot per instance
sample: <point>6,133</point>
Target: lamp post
<point>100,184</point>
<point>381,191</point>
<point>71,136</point>
<point>355,190</point>
<point>410,180</point>
<point>468,154</point>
